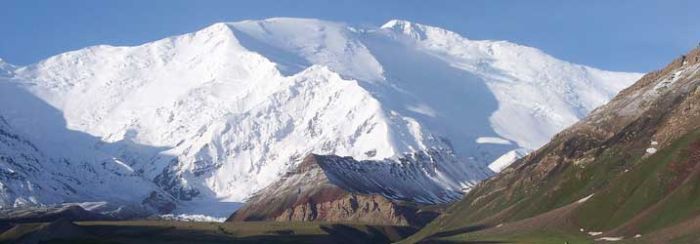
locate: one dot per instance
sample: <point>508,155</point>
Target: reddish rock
<point>306,194</point>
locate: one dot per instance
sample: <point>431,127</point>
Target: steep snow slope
<point>423,72</point>
<point>219,113</point>
<point>34,169</point>
<point>540,92</point>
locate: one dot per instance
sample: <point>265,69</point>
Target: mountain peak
<point>421,32</point>
<point>220,29</point>
<point>416,31</point>
<point>395,23</point>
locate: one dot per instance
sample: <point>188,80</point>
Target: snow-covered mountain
<point>215,115</point>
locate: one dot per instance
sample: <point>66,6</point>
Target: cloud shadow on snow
<point>426,88</point>
<point>46,127</point>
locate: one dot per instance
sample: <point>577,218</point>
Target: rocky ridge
<point>311,193</point>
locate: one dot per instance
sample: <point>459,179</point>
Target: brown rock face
<point>306,194</point>
<point>370,209</point>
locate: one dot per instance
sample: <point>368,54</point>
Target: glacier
<point>217,114</point>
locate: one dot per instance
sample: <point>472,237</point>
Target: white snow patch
<point>652,149</point>
<point>422,109</point>
<point>507,159</point>
<point>92,206</point>
<point>125,166</point>
<point>610,238</point>
<point>492,140</point>
<point>191,218</point>
<point>582,200</point>
<point>669,81</point>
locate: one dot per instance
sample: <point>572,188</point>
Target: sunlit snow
<point>220,113</point>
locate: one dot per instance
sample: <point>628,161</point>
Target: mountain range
<point>195,123</point>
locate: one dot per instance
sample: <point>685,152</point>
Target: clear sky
<point>624,35</point>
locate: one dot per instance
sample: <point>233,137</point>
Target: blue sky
<point>625,35</point>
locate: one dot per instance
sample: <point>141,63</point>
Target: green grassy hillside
<point>631,193</point>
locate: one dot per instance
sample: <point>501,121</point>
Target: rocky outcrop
<point>308,194</point>
<point>159,203</point>
<point>371,209</point>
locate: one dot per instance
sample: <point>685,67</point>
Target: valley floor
<point>201,232</point>
<point>144,231</point>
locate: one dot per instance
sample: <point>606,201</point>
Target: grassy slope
<point>633,194</point>
<point>662,190</point>
<point>539,237</point>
